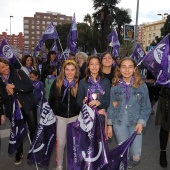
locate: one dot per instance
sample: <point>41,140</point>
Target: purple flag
<point>6,50</point>
<point>87,146</point>
<point>18,129</point>
<point>50,33</point>
<point>71,41</point>
<point>138,53</point>
<point>119,155</point>
<point>45,136</point>
<point>114,42</point>
<point>157,62</point>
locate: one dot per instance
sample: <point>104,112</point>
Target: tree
<point>88,19</point>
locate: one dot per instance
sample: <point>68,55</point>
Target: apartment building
<point>35,26</point>
<point>13,40</point>
<point>141,31</point>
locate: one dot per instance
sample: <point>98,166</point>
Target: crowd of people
<point>118,91</point>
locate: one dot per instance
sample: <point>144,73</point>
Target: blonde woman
<point>129,107</point>
<point>62,100</point>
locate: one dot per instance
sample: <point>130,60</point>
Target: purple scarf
<point>95,85</point>
<point>68,86</point>
<point>5,79</point>
<point>126,87</point>
<point>36,84</point>
<point>29,69</point>
<point>50,77</point>
<point>52,63</point>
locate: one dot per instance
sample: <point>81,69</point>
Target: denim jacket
<point>138,106</point>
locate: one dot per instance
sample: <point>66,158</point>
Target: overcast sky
<point>148,10</point>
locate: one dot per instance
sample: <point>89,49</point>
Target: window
<point>38,27</point>
<point>68,19</point>
<point>32,42</point>
<point>149,28</point>
<point>154,27</point>
<point>60,23</point>
<point>149,35</point>
<point>43,27</point>
<point>26,26</point>
<point>32,27</point>
<point>38,32</point>
<point>26,32</point>
<point>26,37</point>
<point>32,32</point>
<point>32,22</point>
<point>55,23</point>
<point>26,21</point>
<point>38,22</point>
<point>38,37</point>
<point>32,38</point>
<point>61,18</point>
<point>48,22</point>
<point>153,34</point>
<point>149,41</point>
<point>26,42</point>
<point>38,16</point>
<point>45,16</point>
<point>43,22</point>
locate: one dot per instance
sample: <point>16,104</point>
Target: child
<point>129,107</point>
<point>52,72</point>
<point>38,90</point>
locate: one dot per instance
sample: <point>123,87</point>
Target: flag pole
<point>30,144</point>
<point>60,44</point>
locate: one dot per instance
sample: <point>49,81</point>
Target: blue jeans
<point>123,131</point>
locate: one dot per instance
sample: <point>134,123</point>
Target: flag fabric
<point>6,50</point>
<point>50,33</point>
<point>87,145</point>
<point>119,155</point>
<point>114,42</point>
<point>55,48</point>
<point>138,53</point>
<point>45,136</point>
<point>18,129</point>
<point>72,37</point>
<point>157,62</point>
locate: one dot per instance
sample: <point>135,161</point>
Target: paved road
<point>150,151</point>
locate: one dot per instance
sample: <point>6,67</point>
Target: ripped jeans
<point>123,131</point>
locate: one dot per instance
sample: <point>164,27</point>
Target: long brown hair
<point>87,71</point>
<point>137,78</point>
<point>61,77</point>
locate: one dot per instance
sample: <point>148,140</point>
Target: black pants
<point>163,138</point>
<point>31,120</point>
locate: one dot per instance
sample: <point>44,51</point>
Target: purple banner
<point>114,42</point>
<point>6,50</point>
<point>138,53</point>
<point>71,41</point>
<point>87,146</point>
<point>119,155</point>
<point>18,129</point>
<point>157,62</point>
<point>45,137</point>
<point>50,33</point>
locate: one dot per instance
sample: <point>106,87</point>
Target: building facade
<point>35,26</point>
<point>13,40</point>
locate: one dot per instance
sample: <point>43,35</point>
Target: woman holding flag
<point>62,100</point>
<point>129,107</point>
<point>19,98</point>
<point>98,87</point>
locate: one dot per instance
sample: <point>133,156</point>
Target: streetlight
<point>136,25</point>
<point>163,16</point>
<point>10,30</point>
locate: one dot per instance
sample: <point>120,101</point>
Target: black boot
<point>163,161</point>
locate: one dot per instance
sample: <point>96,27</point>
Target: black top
<point>66,108</point>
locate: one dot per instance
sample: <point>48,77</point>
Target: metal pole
<point>136,25</point>
<point>10,30</point>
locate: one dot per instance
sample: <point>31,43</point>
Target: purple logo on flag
<point>6,50</point>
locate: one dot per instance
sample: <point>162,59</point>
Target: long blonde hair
<point>61,77</point>
<point>137,78</point>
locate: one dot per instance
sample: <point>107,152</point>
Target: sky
<point>148,10</point>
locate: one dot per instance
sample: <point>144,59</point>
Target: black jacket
<point>23,91</point>
<point>66,108</point>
